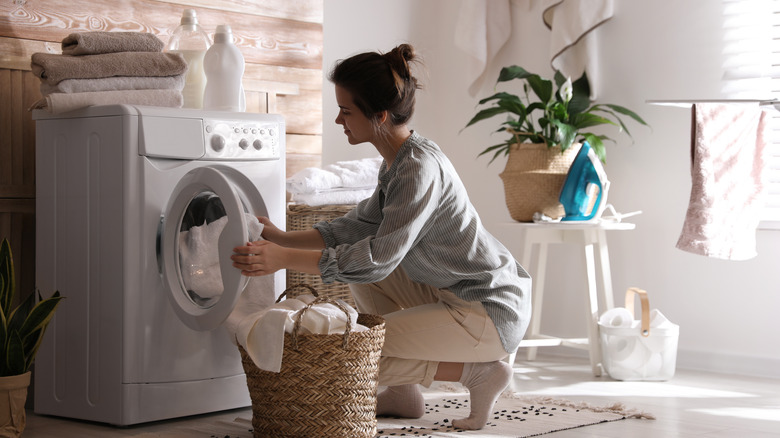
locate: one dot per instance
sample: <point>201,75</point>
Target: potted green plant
<point>542,129</point>
<point>21,332</point>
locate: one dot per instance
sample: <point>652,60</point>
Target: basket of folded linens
<point>312,367</point>
<point>643,348</point>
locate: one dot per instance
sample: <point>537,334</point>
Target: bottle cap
<point>189,16</point>
<point>223,34</point>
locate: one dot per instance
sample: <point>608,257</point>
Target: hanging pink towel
<point>727,151</point>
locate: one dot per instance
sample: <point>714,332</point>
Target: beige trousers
<point>424,326</point>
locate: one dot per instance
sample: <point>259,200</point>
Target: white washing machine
<point>116,185</point>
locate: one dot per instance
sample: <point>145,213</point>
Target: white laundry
<point>199,255</point>
<point>332,197</point>
<point>352,175</point>
<point>261,333</point>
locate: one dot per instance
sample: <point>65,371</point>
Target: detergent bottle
<point>224,67</point>
<point>192,42</point>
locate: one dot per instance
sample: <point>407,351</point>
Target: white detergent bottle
<point>224,67</point>
<point>192,42</point>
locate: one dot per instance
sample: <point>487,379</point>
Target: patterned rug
<point>514,416</point>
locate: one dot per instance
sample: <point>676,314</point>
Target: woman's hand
<point>265,257</point>
<point>270,231</point>
<point>259,258</point>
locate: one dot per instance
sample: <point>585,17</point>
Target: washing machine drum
<point>205,219</point>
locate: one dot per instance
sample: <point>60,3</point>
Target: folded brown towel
<point>52,69</point>
<point>115,83</point>
<point>95,43</point>
<point>62,102</point>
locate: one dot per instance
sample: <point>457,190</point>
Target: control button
<point>254,131</point>
<point>246,131</point>
<point>258,144</point>
<point>243,143</point>
<point>262,131</point>
<point>209,129</point>
<point>271,132</point>
<point>237,130</point>
<point>218,143</point>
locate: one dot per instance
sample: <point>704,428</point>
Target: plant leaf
<point>586,120</point>
<point>501,95</point>
<point>513,72</point>
<point>3,332</point>
<point>559,78</point>
<point>40,315</point>
<point>624,111</point>
<point>7,281</point>
<point>494,148</point>
<point>597,145</point>
<point>566,133</point>
<point>15,360</point>
<point>580,100</point>
<point>543,88</point>
<point>486,114</point>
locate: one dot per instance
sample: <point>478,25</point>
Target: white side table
<point>593,240</point>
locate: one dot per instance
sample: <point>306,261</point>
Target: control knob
<point>218,143</point>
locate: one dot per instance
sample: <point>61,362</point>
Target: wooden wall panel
<point>263,40</point>
<point>17,224</point>
<point>18,90</point>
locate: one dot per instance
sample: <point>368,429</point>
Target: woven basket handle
<point>630,294</point>
<point>297,286</point>
<point>320,300</point>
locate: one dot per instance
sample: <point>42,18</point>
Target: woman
<point>454,299</point>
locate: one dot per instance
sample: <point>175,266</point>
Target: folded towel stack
<point>345,182</point>
<point>103,68</point>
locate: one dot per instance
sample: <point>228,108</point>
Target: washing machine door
<point>205,219</point>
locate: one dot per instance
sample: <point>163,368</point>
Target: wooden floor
<point>692,404</point>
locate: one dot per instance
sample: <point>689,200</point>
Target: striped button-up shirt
<point>420,218</point>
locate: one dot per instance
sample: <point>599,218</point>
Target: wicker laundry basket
<point>327,385</point>
<point>302,217</point>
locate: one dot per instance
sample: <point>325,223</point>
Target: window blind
<point>751,70</point>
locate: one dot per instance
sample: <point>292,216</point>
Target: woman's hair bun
<point>399,59</point>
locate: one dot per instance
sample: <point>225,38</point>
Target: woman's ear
<point>382,116</point>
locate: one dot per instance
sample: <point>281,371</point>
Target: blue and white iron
<point>584,193</point>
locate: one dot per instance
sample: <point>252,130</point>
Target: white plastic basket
<point>636,349</point>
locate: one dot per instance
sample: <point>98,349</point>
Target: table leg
<point>606,275</point>
<point>592,311</point>
<point>537,295</point>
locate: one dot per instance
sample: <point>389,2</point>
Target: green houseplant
<point>21,332</point>
<point>543,126</point>
<point>557,117</point>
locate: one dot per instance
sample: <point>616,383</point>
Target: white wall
<point>664,49</point>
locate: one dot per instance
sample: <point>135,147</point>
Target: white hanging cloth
<point>482,29</point>
<point>574,40</point>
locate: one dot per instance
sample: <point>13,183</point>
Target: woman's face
<point>357,127</point>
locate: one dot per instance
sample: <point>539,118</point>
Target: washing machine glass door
<point>204,220</point>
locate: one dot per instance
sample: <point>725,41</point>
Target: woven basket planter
<point>302,217</point>
<point>533,178</point>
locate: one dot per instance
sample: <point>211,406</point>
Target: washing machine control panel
<point>242,139</point>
